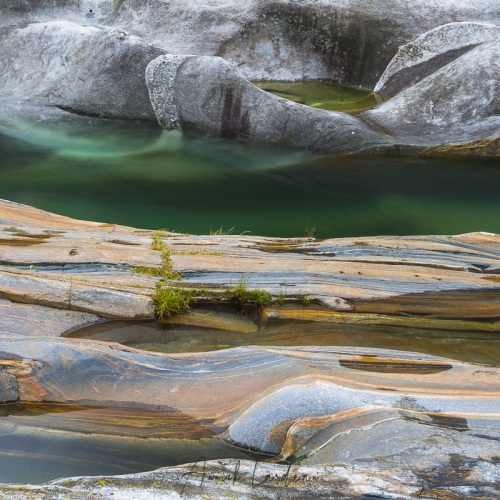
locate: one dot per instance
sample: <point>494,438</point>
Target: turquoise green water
<point>138,175</point>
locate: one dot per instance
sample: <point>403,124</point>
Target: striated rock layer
<point>313,406</point>
<point>76,267</point>
<point>397,422</point>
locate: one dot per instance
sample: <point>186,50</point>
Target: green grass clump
<point>157,241</point>
<point>148,271</point>
<point>169,301</point>
<point>243,295</point>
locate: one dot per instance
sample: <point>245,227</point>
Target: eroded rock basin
<point>325,95</point>
<point>399,422</point>
<point>208,329</point>
<point>40,442</point>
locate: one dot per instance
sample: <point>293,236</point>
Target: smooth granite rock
<point>97,68</point>
<point>41,321</point>
<point>350,41</point>
<point>415,281</point>
<point>85,69</point>
<point>431,51</point>
<point>208,94</point>
<point>420,280</point>
<point>457,103</point>
<point>368,408</point>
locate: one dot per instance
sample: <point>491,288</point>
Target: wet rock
<point>214,320</point>
<point>83,69</point>
<point>416,412</point>
<point>431,51</point>
<point>207,93</point>
<point>289,384</point>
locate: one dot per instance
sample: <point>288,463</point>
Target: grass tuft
<point>244,295</point>
<point>221,231</point>
<point>169,301</point>
<point>281,298</point>
<point>310,230</point>
<point>158,241</point>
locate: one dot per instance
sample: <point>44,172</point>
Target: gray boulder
<point>457,103</point>
<point>351,41</point>
<point>80,68</point>
<point>431,51</point>
<point>207,93</point>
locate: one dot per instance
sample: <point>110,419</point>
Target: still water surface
<point>470,346</point>
<point>325,95</point>
<point>40,442</point>
<point>136,174</point>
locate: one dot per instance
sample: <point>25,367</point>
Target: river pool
<point>136,174</point>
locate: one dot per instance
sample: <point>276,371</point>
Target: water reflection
<point>40,442</point>
<point>136,174</point>
<point>325,95</point>
<point>475,347</point>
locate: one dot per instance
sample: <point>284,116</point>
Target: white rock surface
<point>436,48</point>
<point>82,68</point>
<point>458,102</point>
